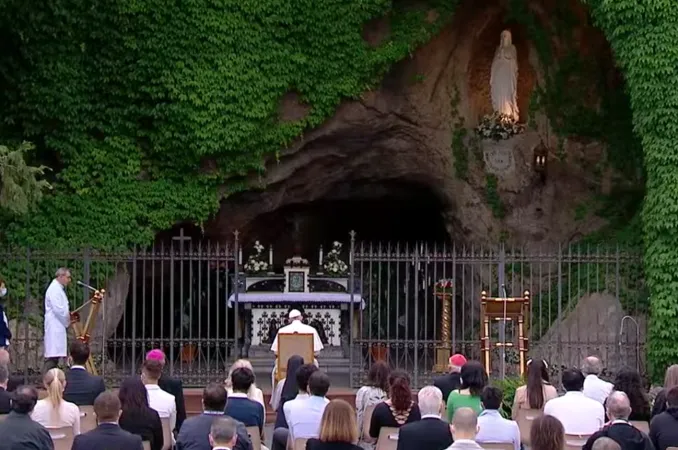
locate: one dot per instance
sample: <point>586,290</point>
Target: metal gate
<point>176,297</point>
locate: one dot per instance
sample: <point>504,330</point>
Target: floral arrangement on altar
<point>498,126</point>
<point>256,262</point>
<point>333,265</point>
<point>444,286</point>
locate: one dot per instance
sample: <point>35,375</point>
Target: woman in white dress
<point>54,411</point>
<point>254,392</point>
<point>504,78</point>
<point>374,393</point>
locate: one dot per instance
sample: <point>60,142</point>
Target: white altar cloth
<point>296,297</point>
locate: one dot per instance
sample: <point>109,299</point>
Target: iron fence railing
<point>175,297</point>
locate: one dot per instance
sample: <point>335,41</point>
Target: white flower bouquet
<point>256,262</point>
<point>498,126</point>
<point>333,265</point>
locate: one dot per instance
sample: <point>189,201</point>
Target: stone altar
<point>265,300</point>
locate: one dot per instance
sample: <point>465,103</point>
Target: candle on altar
<point>240,256</point>
<point>270,256</point>
<point>320,259</point>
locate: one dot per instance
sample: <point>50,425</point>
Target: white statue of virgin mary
<point>504,78</point>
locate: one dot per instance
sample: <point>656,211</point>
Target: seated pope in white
<point>296,326</point>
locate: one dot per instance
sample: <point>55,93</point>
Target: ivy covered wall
<point>146,108</point>
<point>644,37</point>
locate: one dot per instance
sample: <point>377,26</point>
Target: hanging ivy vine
<point>643,35</point>
<point>151,111</point>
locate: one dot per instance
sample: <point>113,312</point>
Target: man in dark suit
<point>14,381</point>
<point>108,434</point>
<point>18,431</point>
<point>451,381</point>
<point>172,386</point>
<point>5,404</point>
<point>431,432</point>
<point>194,434</point>
<point>82,388</point>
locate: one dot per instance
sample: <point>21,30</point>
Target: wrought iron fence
<point>583,301</point>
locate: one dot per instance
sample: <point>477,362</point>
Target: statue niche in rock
<point>503,122</point>
<point>504,78</point>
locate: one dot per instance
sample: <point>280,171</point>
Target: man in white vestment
<point>297,326</point>
<point>57,319</point>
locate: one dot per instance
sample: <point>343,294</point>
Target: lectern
<point>497,309</point>
<point>83,333</point>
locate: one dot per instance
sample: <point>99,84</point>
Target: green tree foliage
<point>21,186</point>
<point>644,37</point>
<point>156,109</point>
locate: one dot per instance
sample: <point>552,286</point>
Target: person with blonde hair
<point>253,393</point>
<point>53,411</point>
<point>338,428</point>
<point>670,381</point>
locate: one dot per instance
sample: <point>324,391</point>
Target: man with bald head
<point>605,443</point>
<point>619,429</point>
<point>14,381</point>
<point>594,387</point>
<point>464,430</point>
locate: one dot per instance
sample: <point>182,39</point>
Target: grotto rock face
<point>401,133</point>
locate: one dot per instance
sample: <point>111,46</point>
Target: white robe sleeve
<point>58,303</point>
<point>274,347</point>
<point>317,343</point>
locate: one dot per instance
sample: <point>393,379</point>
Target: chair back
<point>88,421</point>
<point>166,433</point>
<point>497,445</point>
<point>575,441</point>
<point>146,445</point>
<point>367,418</point>
<point>388,438</point>
<point>290,344</point>
<point>300,443</point>
<point>3,417</point>
<point>525,418</point>
<point>255,437</point>
<point>641,425</point>
<point>62,437</point>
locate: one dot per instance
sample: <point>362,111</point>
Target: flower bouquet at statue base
<point>333,265</point>
<point>498,126</point>
<point>256,264</point>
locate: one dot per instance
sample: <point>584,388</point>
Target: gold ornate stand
<point>83,333</point>
<point>504,309</point>
<point>443,352</point>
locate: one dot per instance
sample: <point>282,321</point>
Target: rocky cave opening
<point>385,212</point>
<point>386,166</point>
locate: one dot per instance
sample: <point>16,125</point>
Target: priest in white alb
<point>296,326</point>
<point>57,319</point>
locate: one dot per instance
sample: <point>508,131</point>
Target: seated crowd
<point>460,411</point>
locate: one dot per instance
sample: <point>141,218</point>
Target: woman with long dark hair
<point>375,392</point>
<point>537,391</point>
<point>629,382</point>
<point>398,409</point>
<point>137,417</point>
<point>473,381</point>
